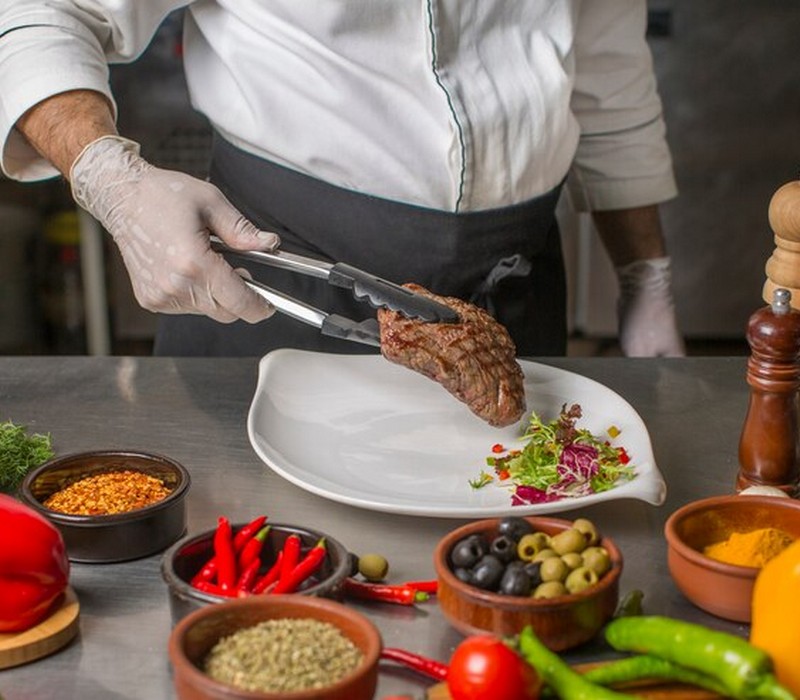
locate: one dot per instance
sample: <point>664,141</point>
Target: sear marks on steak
<point>475,359</point>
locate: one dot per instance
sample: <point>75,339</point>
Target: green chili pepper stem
<point>645,666</point>
<point>631,604</point>
<point>739,666</point>
<point>557,673</point>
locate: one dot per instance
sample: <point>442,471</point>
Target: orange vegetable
<point>776,608</point>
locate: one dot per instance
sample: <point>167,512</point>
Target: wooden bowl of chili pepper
<point>561,617</point>
<point>111,505</point>
<point>262,558</point>
<point>744,531</point>
<point>281,647</point>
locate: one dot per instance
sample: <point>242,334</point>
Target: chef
<point>420,141</point>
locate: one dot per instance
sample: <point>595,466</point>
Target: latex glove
<point>161,220</point>
<point>646,311</point>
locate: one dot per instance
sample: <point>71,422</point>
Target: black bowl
<point>185,558</point>
<point>121,536</point>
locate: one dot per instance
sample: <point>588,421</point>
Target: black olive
<point>514,527</point>
<point>463,574</point>
<point>352,559</point>
<point>486,574</point>
<point>533,570</point>
<point>515,582</point>
<point>504,548</point>
<point>468,551</point>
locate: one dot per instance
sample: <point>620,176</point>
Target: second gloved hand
<point>161,221</point>
<point>646,311</point>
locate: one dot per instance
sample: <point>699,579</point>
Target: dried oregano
<point>288,654</point>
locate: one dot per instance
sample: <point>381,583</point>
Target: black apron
<point>506,260</point>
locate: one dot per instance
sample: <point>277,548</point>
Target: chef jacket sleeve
<point>51,47</point>
<point>623,158</point>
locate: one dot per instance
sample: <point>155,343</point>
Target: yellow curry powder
<point>753,548</point>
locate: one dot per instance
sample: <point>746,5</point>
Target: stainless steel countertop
<point>195,410</point>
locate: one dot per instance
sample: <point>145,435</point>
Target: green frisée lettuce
<point>19,453</point>
<point>559,460</point>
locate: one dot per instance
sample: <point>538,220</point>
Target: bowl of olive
<point>559,576</point>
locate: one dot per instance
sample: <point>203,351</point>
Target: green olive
<point>596,559</point>
<point>373,567</point>
<point>549,589</point>
<point>531,544</point>
<point>580,579</point>
<point>572,559</point>
<point>543,554</point>
<point>553,569</point>
<point>570,540</point>
<point>589,530</point>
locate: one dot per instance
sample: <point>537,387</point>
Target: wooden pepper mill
<point>769,448</point>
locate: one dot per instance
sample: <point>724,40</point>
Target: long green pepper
<point>646,666</point>
<point>558,675</point>
<point>744,670</point>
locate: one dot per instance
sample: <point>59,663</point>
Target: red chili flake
<point>503,474</point>
<point>497,448</point>
<point>624,457</point>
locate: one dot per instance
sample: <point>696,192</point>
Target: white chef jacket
<point>457,105</point>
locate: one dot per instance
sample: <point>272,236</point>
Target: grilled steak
<point>473,359</point>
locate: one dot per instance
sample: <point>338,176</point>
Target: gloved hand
<point>646,311</point>
<point>161,220</point>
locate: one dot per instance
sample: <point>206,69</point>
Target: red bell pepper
<point>34,569</point>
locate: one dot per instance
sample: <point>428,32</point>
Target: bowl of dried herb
<point>111,505</point>
<point>275,648</point>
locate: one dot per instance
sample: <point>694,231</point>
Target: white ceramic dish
<point>361,430</point>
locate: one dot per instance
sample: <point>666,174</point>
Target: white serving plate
<point>361,430</point>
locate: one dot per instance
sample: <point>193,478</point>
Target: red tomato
<point>485,668</point>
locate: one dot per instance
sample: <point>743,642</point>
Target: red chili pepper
<point>291,555</point>
<point>252,548</point>
<point>422,664</point>
<point>503,474</point>
<point>430,587</point>
<point>248,576</point>
<point>384,593</point>
<point>214,589</point>
<point>261,585</point>
<point>223,551</point>
<point>240,539</point>
<point>624,457</point>
<point>497,448</point>
<point>305,567</point>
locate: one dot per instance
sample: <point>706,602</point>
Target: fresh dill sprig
<point>19,453</point>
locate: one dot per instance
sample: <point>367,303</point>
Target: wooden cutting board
<point>40,640</point>
<point>650,690</point>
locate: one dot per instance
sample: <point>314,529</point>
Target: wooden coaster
<point>40,640</point>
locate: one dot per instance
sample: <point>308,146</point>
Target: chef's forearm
<point>61,126</point>
<point>631,234</point>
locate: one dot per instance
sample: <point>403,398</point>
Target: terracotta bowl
<point>118,537</point>
<point>561,623</point>
<point>194,636</point>
<point>724,590</point>
<point>186,557</point>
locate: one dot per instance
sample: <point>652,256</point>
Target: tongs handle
<point>364,286</point>
<point>382,293</point>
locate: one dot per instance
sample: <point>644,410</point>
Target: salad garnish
<point>559,460</point>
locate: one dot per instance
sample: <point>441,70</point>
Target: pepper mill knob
<point>769,448</point>
<point>783,266</point>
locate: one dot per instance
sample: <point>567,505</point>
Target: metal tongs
<point>376,291</point>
